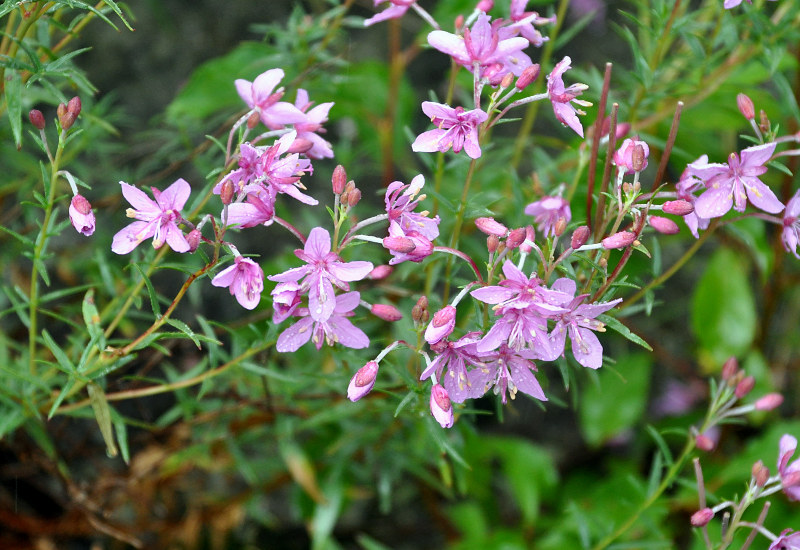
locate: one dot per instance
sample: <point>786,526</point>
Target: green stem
<point>462,208</point>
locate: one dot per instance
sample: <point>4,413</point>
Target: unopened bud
<point>363,381</point>
<point>485,5</point>
<point>253,119</point>
<point>744,387</point>
<point>764,124</point>
<point>702,517</point>
<point>492,242</point>
<point>679,207</point>
<point>515,238</point>
<point>632,156</point>
<point>530,74</point>
<point>459,22</point>
<point>580,236</point>
<point>386,312</point>
<point>621,130</point>
<point>769,402</point>
<point>663,225</point>
<point>380,272</point>
<point>74,106</point>
<point>489,226</point>
<point>300,146</point>
<point>507,80</point>
<point>638,159</point>
<point>353,197</point>
<point>561,225</point>
<point>704,443</point>
<point>348,187</point>
<point>530,235</point>
<point>619,240</point>
<point>760,473</point>
<point>403,245</point>
<point>441,408</point>
<point>746,106</point>
<point>419,313</point>
<point>791,479</point>
<point>37,118</point>
<point>442,325</point>
<point>65,119</point>
<point>730,368</point>
<point>339,179</point>
<point>193,238</point>
<point>226,192</point>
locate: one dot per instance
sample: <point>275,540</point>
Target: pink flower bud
<point>704,443</point>
<point>441,408</point>
<point>339,179</point>
<point>441,326</point>
<point>386,312</point>
<point>419,313</point>
<point>528,76</point>
<point>764,125</point>
<point>730,368</point>
<point>253,119</point>
<point>37,118</point>
<point>226,192</point>
<point>193,238</point>
<point>663,225</point>
<point>459,21</point>
<point>580,236</point>
<point>769,402</point>
<point>491,227</point>
<point>746,106</point>
<point>530,235</point>
<point>624,156</point>
<point>74,107</point>
<point>622,128</point>
<point>507,80</point>
<point>64,118</point>
<point>679,207</point>
<point>515,238</point>
<point>353,197</point>
<point>744,386</point>
<point>702,517</point>
<point>760,473</point>
<point>380,272</point>
<point>619,240</point>
<point>363,381</point>
<point>485,5</point>
<point>561,225</point>
<point>81,215</point>
<point>403,245</point>
<point>300,146</point>
<point>492,243</point>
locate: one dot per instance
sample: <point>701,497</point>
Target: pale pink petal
<point>131,236</point>
<point>138,199</point>
<point>714,203</point>
<point>264,84</point>
<point>175,196</point>
<point>428,142</point>
<point>350,271</point>
<point>762,196</point>
<point>347,334</point>
<point>225,277</point>
<point>295,336</point>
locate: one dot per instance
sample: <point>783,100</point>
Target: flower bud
<point>81,215</point>
<point>403,245</point>
<point>632,156</point>
<point>744,386</point>
<point>704,443</point>
<point>622,128</point>
<point>528,76</point>
<point>37,119</point>
<point>459,21</point>
<point>507,80</point>
<point>530,235</point>
<point>300,146</point>
<point>64,119</point>
<point>702,517</point>
<point>730,368</point>
<point>386,312</point>
<point>226,192</point>
<point>619,240</point>
<point>74,106</point>
<point>638,158</point>
<point>515,238</point>
<point>441,326</point>
<point>561,225</point>
<point>353,197</point>
<point>363,381</point>
<point>419,313</point>
<point>491,227</point>
<point>790,479</point>
<point>253,119</point>
<point>746,106</point>
<point>764,124</point>
<point>485,6</point>
<point>441,407</point>
<point>769,402</point>
<point>193,238</point>
<point>339,179</point>
<point>663,225</point>
<point>760,473</point>
<point>580,236</point>
<point>492,242</point>
<point>679,207</point>
<point>380,272</point>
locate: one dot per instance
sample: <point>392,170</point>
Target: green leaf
<point>13,86</point>
<point>150,290</point>
<point>92,319</point>
<point>102,413</point>
<point>617,402</point>
<point>63,361</point>
<point>723,310</point>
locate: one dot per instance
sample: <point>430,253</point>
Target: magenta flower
<point>311,127</point>
<point>791,225</point>
<point>481,48</point>
<point>400,203</point>
<point>441,407</point>
<point>455,128</point>
<point>728,4</point>
<point>158,219</point>
<point>731,185</point>
<point>81,215</point>
<point>547,211</point>
<point>336,328</point>
<point>397,8</point>
<point>260,96</point>
<point>789,473</point>
<point>323,269</point>
<point>363,381</point>
<point>623,157</point>
<point>686,187</point>
<point>450,367</point>
<point>787,540</point>
<point>508,372</point>
<point>524,21</point>
<point>563,97</point>
<point>285,300</point>
<point>258,210</point>
<point>405,246</point>
<point>580,323</point>
<point>244,279</point>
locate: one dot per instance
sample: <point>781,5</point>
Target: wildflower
<point>455,128</point>
<point>259,96</point>
<point>363,381</point>
<point>285,300</point>
<point>523,23</point>
<point>450,367</point>
<point>789,473</point>
<point>441,407</point>
<point>336,328</point>
<point>787,540</point>
<point>562,97</point>
<point>323,269</point>
<point>396,9</point>
<point>624,156</point>
<point>441,325</point>
<point>387,312</point>
<point>663,225</point>
<point>733,184</point>
<point>507,372</point>
<point>312,125</point>
<point>401,200</point>
<point>406,246</point>
<point>791,224</point>
<point>702,517</point>
<point>81,215</point>
<point>490,226</point>
<point>547,211</point>
<point>158,219</point>
<point>244,279</point>
<point>256,211</point>
<point>686,187</point>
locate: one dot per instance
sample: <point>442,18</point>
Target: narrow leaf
<point>102,413</point>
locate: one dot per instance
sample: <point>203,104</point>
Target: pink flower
<point>397,8</point>
<point>441,407</point>
<point>363,381</point>
<point>523,23</point>
<point>623,157</point>
<point>323,269</point>
<point>81,215</point>
<point>547,211</point>
<point>509,371</point>
<point>789,473</point>
<point>563,97</point>
<point>336,328</point>
<point>400,203</point>
<point>728,5</point>
<point>244,279</point>
<point>285,300</point>
<point>787,540</point>
<point>455,128</point>
<point>158,219</point>
<point>259,96</point>
<point>791,224</point>
<point>312,125</point>
<point>686,187</point>
<point>406,245</point>
<point>441,325</point>
<point>733,184</point>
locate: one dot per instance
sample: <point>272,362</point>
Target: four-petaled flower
<point>259,96</point>
<point>787,540</point>
<point>455,128</point>
<point>563,97</point>
<point>244,279</point>
<point>336,328</point>
<point>158,219</point>
<point>547,211</point>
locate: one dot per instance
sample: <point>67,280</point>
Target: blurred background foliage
<point>270,454</point>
